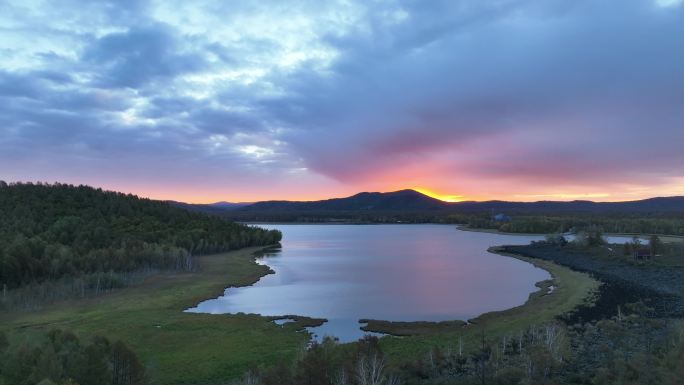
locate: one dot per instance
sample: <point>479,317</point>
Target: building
<point>642,253</point>
<point>502,218</point>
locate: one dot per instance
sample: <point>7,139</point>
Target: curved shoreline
<point>564,298</point>
<point>183,347</point>
<point>571,289</point>
<point>210,348</point>
<point>660,285</point>
<point>299,322</point>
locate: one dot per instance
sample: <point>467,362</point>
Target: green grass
<point>187,348</point>
<point>177,347</point>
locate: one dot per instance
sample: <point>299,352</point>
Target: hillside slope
<point>52,231</point>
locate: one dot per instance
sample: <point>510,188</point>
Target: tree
<point>95,366</point>
<point>126,368</point>
<point>48,366</point>
<point>480,359</point>
<point>655,244</point>
<point>370,370</point>
<point>595,236</point>
<point>50,232</point>
<point>4,343</point>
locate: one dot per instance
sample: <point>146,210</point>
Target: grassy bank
<point>177,347</point>
<point>570,289</point>
<point>188,348</point>
<point>492,231</point>
<point>659,280</point>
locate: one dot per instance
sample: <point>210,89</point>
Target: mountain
<point>403,200</point>
<point>209,208</point>
<point>411,201</point>
<point>652,205</point>
<point>229,205</point>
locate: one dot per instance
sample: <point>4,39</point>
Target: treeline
<point>62,359</point>
<point>520,222</point>
<point>335,216</point>
<point>35,295</point>
<point>49,232</point>
<point>328,363</point>
<point>630,348</point>
<point>545,224</point>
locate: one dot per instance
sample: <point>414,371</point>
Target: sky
<point>204,101</point>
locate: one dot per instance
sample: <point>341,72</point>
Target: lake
<point>421,272</point>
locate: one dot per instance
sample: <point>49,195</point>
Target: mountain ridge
<point>409,200</point>
<point>364,201</point>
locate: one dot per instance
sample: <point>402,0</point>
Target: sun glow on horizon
<point>562,196</point>
<point>443,197</point>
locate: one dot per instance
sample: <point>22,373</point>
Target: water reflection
<point>391,272</point>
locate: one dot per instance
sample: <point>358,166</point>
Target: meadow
<point>188,348</point>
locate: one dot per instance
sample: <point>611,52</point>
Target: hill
<point>52,231</point>
<point>229,205</point>
<point>209,208</point>
<point>652,205</point>
<point>403,200</point>
<point>414,201</point>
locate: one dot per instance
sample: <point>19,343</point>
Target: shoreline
<point>462,227</point>
<point>623,282</point>
<point>494,231</point>
<point>299,321</point>
<point>663,237</point>
<point>180,346</point>
<point>151,317</point>
<point>546,296</point>
<point>419,328</point>
<point>536,299</point>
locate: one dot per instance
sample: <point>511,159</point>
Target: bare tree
<point>250,378</point>
<point>369,370</point>
<point>341,378</point>
<point>393,380</point>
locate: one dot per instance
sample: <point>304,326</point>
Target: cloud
<point>140,55</point>
<point>581,75</point>
<point>501,94</point>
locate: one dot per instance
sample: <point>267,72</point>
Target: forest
<point>664,223</point>
<point>61,358</point>
<point>631,348</point>
<point>51,232</point>
<point>617,223</point>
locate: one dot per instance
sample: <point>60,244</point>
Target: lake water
<point>388,272</point>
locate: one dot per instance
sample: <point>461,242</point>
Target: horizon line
<point>446,198</point>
